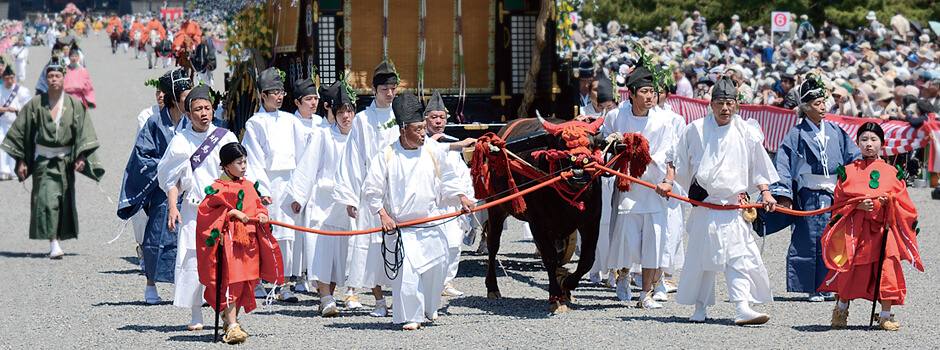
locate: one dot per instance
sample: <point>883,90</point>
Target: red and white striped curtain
<point>776,122</point>
<point>171,14</point>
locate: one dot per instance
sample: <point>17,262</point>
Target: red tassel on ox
<point>633,160</point>
<point>485,165</point>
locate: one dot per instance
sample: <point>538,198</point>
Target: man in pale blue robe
<point>807,162</point>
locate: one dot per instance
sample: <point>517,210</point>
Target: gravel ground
<point>94,297</point>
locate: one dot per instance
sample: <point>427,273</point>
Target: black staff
<point>218,289</point>
<point>881,262</point>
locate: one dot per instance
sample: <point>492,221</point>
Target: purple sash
<point>9,100</point>
<point>202,152</point>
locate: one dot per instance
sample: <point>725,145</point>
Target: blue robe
<point>805,267</point>
<point>141,191</point>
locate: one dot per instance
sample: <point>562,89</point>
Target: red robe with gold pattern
<point>851,244</point>
<point>249,250</point>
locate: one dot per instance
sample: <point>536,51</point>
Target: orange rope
<point>419,221</point>
<point>736,206</point>
<point>560,177</point>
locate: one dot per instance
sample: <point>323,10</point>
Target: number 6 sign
<point>780,21</point>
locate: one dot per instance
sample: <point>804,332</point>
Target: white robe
<point>372,130</point>
<point>454,229</point>
<point>637,234</point>
<point>145,114</point>
<point>726,161</point>
<point>174,170</point>
<point>312,185</point>
<point>314,123</point>
<point>275,141</point>
<point>674,254</point>
<point>20,57</point>
<point>23,95</point>
<point>409,185</point>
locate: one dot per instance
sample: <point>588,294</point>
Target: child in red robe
<point>852,243</point>
<point>249,251</point>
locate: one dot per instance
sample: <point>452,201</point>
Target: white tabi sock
<point>54,245</point>
<point>885,314</point>
<point>744,312</point>
<point>842,305</point>
<point>197,315</point>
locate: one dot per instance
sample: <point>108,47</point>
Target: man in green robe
<point>51,139</point>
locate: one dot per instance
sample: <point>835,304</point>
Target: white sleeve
<point>254,142</point>
<point>452,184</point>
<point>305,176</point>
<point>349,172</point>
<point>762,170</point>
<point>376,184</point>
<point>682,157</point>
<point>174,167</point>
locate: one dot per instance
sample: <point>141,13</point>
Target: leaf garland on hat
<point>283,74</point>
<point>155,82</point>
<point>661,77</point>
<point>349,90</point>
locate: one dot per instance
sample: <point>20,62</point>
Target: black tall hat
<point>341,96</point>
<point>200,92</point>
<point>585,68</point>
<point>725,89</point>
<point>605,89</point>
<point>639,77</point>
<point>436,103</point>
<point>811,89</point>
<point>407,109</point>
<point>8,70</point>
<point>304,87</point>
<point>385,74</point>
<point>270,79</point>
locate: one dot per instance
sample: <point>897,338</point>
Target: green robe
<point>53,211</point>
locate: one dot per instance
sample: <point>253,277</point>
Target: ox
<point>552,216</point>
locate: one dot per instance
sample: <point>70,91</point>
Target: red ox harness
<point>574,133</point>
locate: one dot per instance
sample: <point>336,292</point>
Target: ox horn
<point>551,128</point>
<point>596,124</point>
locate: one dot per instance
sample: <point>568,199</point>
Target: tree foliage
<point>646,15</point>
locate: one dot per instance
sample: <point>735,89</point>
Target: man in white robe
<point>372,130</point>
<point>20,55</point>
<point>723,155</point>
<point>187,168</point>
<point>673,253</point>
<point>306,98</point>
<point>275,141</point>
<point>12,98</point>
<point>310,189</point>
<point>436,117</point>
<point>408,180</point>
<point>602,102</point>
<point>638,232</point>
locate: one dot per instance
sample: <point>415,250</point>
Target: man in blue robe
<point>140,189</point>
<point>807,162</point>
